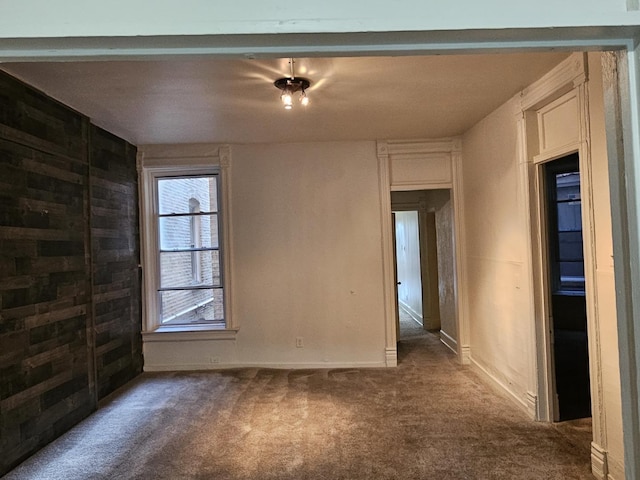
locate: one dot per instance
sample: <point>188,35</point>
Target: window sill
<point>187,333</point>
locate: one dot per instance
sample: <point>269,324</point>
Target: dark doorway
<point>568,305</point>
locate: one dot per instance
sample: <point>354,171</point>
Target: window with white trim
<point>183,245</point>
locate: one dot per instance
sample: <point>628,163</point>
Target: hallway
<point>429,418</point>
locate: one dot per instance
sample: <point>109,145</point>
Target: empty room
<point>202,277</point>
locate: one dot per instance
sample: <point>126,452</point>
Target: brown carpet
<point>427,419</point>
<point>409,328</point>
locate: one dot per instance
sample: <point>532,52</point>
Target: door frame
<point>571,85</point>
<point>546,281</point>
<point>449,176</point>
<point>621,83</point>
<point>395,272</point>
<point>547,404</point>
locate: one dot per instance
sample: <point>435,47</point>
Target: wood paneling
<point>115,259</point>
<point>44,293</point>
<point>30,117</point>
<point>59,331</point>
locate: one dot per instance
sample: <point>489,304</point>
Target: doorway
<point>565,270</point>
<point>409,252</point>
<point>425,263</point>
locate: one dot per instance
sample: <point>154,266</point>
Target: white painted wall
<point>500,332</point>
<point>71,18</point>
<point>496,260</point>
<point>306,221</point>
<point>408,263</point>
<point>307,261</point>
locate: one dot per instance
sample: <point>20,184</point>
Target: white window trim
<point>154,162</point>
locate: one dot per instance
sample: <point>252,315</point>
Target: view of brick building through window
<point>190,289</point>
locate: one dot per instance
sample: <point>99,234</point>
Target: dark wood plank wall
<point>115,260</point>
<point>48,322</point>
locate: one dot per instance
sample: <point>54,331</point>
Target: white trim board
<point>415,316</point>
<point>500,386</point>
<point>617,34</point>
<point>449,341</point>
<point>175,367</point>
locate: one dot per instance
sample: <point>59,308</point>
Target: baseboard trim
<point>465,354</point>
<point>604,466</point>
<point>500,386</point>
<point>599,464</point>
<point>391,357</point>
<point>274,365</point>
<point>411,312</point>
<point>449,341</point>
<point>532,402</point>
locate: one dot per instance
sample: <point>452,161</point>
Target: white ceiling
<point>234,101</point>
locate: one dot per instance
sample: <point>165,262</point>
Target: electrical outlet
<point>299,342</point>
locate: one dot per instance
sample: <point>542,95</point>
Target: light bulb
<point>304,100</point>
<point>287,99</point>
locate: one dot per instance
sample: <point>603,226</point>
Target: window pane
<point>182,233</point>
<point>178,195</point>
<point>570,246</point>
<point>191,306</point>
<point>186,269</point>
<point>569,218</point>
<point>568,186</point>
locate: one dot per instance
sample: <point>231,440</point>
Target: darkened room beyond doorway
<point>567,282</point>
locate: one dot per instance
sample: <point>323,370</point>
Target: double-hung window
<point>184,245</point>
<point>190,287</point>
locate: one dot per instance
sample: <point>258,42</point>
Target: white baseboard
<point>275,365</point>
<point>500,386</point>
<point>411,312</point>
<point>532,402</point>
<point>599,464</point>
<point>465,354</point>
<point>391,357</point>
<point>449,341</point>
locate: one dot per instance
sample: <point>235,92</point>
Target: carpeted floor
<point>409,328</point>
<point>427,419</point>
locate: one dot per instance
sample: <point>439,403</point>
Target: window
<point>565,225</point>
<point>190,287</point>
<point>183,247</point>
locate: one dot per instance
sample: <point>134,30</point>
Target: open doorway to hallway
<point>424,252</point>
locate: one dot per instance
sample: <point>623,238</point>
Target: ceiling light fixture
<point>292,85</point>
